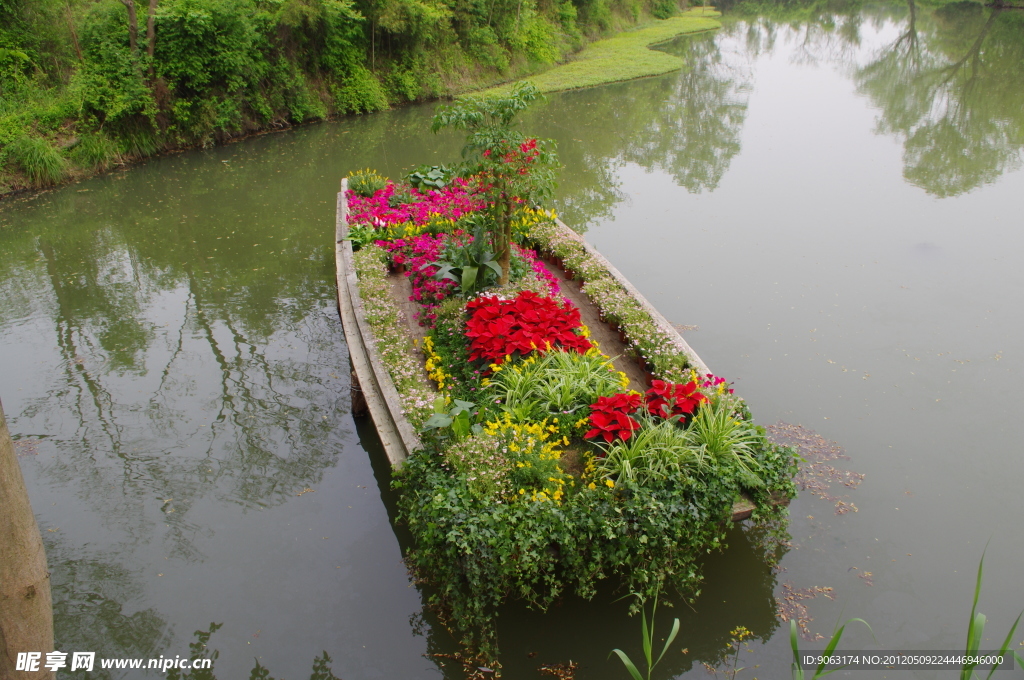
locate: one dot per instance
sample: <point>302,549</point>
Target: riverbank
<point>111,105</point>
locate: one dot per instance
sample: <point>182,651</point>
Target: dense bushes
<point>72,74</point>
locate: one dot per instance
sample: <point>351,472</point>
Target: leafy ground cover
<point>541,471</point>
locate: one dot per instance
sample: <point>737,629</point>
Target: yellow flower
<point>610,484</point>
<point>591,486</point>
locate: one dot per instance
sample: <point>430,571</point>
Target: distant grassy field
<point>623,57</point>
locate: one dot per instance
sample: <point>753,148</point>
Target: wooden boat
<point>372,382</point>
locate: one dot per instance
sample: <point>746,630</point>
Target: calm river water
<point>834,200</point>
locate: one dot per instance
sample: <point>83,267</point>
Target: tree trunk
<point>133,25</point>
<point>151,30</point>
<point>74,34</point>
<point>505,238</point>
<point>26,610</point>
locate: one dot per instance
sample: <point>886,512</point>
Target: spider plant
<point>717,434</point>
<point>554,385</point>
<point>658,450</point>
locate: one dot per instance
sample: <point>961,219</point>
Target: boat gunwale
<point>382,397</point>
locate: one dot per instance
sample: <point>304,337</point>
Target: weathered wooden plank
<point>396,432</point>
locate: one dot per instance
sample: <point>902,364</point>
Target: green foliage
<point>199,649</point>
<point>720,435</point>
<point>477,552</point>
<point>109,82</point>
<point>459,418</point>
<point>975,636</point>
<point>209,54</point>
<point>361,235</point>
<point>663,9</point>
<point>624,56</point>
<point>819,671</point>
<point>366,182</point>
<point>659,450</point>
<point>451,344</point>
<point>222,68</point>
<point>471,266</point>
<point>515,169</point>
<point>43,164</point>
<point>428,177</point>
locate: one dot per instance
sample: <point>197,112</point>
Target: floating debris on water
<point>816,475</point>
<point>790,605</point>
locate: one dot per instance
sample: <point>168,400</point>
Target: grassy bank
<point>623,57</point>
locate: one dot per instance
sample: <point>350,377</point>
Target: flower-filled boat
<point>547,426</point>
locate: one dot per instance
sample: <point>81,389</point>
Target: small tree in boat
<point>516,169</point>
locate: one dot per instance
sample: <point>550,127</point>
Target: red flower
<point>668,399</point>
<point>610,417</point>
<point>528,322</point>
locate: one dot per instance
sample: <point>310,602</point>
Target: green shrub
<point>42,163</point>
<point>109,82</point>
<point>360,92</point>
<point>663,9</point>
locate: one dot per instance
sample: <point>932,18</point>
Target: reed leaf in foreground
<point>648,641</point>
<point>819,672</point>
<point>976,631</point>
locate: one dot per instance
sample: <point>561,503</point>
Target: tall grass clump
<point>95,151</point>
<point>42,163</point>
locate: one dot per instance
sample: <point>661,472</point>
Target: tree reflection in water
<point>168,385</point>
<point>686,124</point>
<point>949,85</point>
